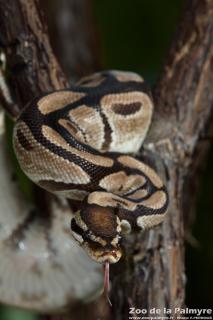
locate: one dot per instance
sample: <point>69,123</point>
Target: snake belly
<point>77,143</point>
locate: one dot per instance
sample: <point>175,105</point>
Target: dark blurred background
<point>136,35</point>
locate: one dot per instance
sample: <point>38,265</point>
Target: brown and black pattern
<point>73,142</point>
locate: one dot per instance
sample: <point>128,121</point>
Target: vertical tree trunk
<point>152,275</point>
<point>33,69</point>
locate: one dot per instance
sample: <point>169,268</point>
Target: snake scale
<point>78,143</point>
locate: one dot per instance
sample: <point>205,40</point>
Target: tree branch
<point>33,69</point>
<point>153,273</point>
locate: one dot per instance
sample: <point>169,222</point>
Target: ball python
<point>78,143</point>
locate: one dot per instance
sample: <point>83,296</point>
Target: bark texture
<point>152,272</point>
<point>32,69</point>
<point>32,65</point>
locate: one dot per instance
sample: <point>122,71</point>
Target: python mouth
<point>103,255</point>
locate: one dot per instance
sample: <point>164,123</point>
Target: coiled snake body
<point>72,143</point>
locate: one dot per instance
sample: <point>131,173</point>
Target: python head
<point>98,229</point>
